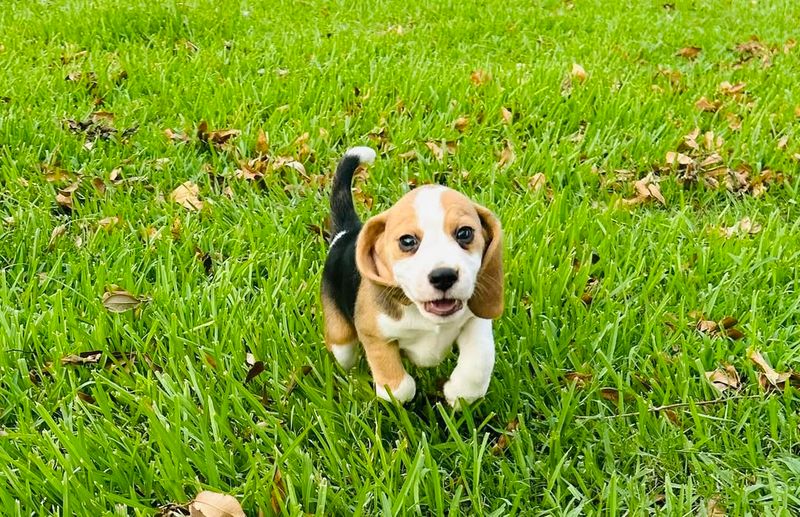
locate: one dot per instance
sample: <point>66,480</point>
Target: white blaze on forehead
<point>429,209</point>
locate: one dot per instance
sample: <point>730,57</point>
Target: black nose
<point>443,278</point>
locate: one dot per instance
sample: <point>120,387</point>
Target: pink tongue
<point>442,307</point>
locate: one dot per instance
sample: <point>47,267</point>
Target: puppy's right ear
<point>370,258</point>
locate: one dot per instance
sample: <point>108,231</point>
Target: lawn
<point>160,327</point>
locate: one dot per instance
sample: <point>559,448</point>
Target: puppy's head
<point>441,249</point>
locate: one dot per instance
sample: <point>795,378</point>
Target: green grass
<point>159,431</point>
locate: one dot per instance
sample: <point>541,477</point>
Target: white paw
<point>404,392</point>
<point>457,389</point>
<point>346,355</point>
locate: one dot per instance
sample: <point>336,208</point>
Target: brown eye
<point>408,243</point>
<point>464,235</point>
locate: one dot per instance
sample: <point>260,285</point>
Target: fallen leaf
<point>480,77</point>
<point>706,105</point>
<point>724,378</point>
<point>99,185</point>
<point>707,327</point>
<point>768,374</point>
<point>537,182</point>
<point>579,379</point>
<point>439,151</point>
<point>783,141</point>
<point>409,155</point>
<point>743,227</point>
<point>675,158</point>
<point>213,504</point>
<point>610,394</point>
<point>255,370</point>
<point>262,144</point>
<point>64,200</point>
<point>505,439</point>
<point>727,88</point>
<point>218,137</point>
<point>714,508</point>
<point>797,111</point>
<point>507,155</point>
<point>108,222</point>
<point>186,195</point>
<point>689,52</point>
<point>507,115</point>
<point>728,322</point>
<point>646,188</point>
<point>734,121</point>
<point>176,136</point>
<point>119,300</point>
<point>278,495</point>
<point>578,73</point>
<point>461,124</point>
<point>57,232</point>
<point>92,357</point>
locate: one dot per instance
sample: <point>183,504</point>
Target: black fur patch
<point>340,278</point>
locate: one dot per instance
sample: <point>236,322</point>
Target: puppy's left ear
<point>487,301</point>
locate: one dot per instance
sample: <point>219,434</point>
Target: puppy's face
<point>435,245</point>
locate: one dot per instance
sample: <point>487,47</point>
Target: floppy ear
<point>369,258</point>
<point>487,301</point>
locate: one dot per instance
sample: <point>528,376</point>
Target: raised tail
<point>343,213</point>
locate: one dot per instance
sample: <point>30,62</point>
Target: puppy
<point>412,281</point>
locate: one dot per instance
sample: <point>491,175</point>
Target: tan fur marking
<point>338,331</point>
<point>383,356</point>
<point>377,248</point>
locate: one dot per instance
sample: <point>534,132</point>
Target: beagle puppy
<point>413,280</point>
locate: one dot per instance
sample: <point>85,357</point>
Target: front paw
<point>457,389</point>
<point>404,391</point>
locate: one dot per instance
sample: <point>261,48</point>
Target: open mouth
<point>443,307</point>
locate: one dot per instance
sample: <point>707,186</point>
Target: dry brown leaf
<point>278,495</point>
<point>505,439</point>
<point>213,504</point>
<point>714,508</point>
<point>175,136</point>
<point>255,370</point>
<point>783,141</point>
<point>704,104</point>
<point>57,232</point>
<point>610,394</point>
<point>218,137</point>
<point>646,188</point>
<point>186,195</point>
<point>689,52</point>
<point>707,327</point>
<point>507,115</point>
<point>109,222</point>
<point>408,155</point>
<point>675,158</point>
<point>724,378</point>
<point>480,77</point>
<point>727,88</point>
<point>734,121</point>
<point>537,182</point>
<point>769,377</point>
<point>507,155</point>
<point>119,300</point>
<point>580,379</point>
<point>85,397</point>
<point>262,144</point>
<point>92,357</point>
<point>743,227</point>
<point>461,124</point>
<point>577,72</point>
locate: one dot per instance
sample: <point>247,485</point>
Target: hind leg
<point>340,335</point>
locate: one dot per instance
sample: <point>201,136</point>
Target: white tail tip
<point>365,154</point>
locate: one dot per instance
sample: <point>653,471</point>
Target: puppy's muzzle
<point>443,278</point>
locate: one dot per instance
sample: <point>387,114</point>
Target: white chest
<point>424,342</point>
